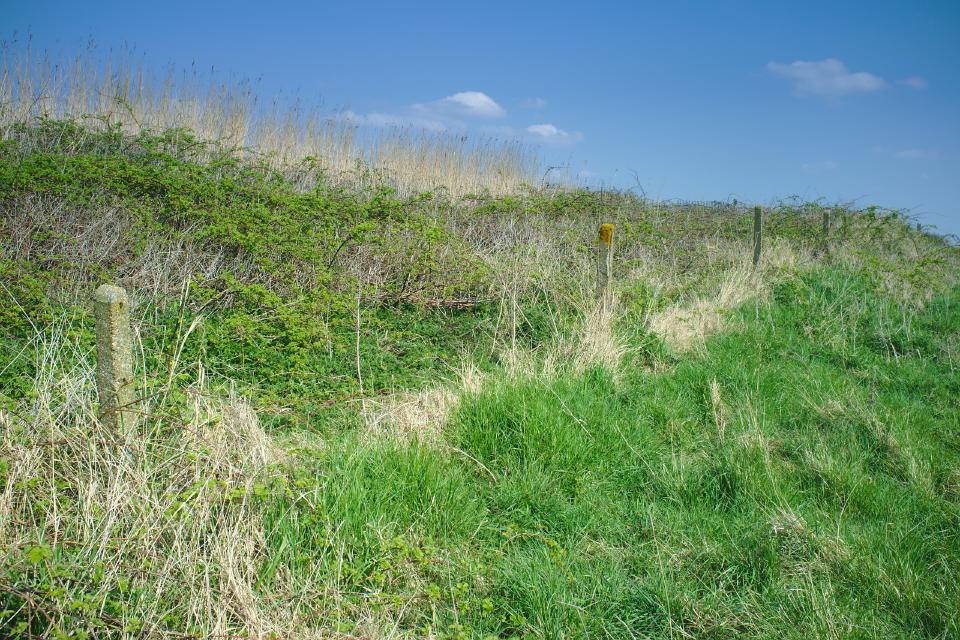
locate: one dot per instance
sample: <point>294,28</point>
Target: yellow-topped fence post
<point>605,259</point>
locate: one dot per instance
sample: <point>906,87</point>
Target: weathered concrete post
<point>114,356</point>
<point>757,234</point>
<point>605,259</point>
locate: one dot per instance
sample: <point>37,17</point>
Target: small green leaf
<point>39,553</point>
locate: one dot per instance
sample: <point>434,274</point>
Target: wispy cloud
<point>829,78</point>
<point>533,103</point>
<point>379,119</point>
<point>470,104</point>
<point>541,133</point>
<point>915,82</point>
<point>547,132</point>
<point>916,154</point>
<point>463,112</point>
<point>819,167</point>
<point>450,113</point>
<point>913,153</point>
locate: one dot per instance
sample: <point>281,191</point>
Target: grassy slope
<point>798,476</point>
<point>814,494</point>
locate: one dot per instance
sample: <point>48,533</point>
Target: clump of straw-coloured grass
<point>131,533</point>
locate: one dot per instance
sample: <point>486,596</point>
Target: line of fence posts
<point>114,356</point>
<point>114,337</point>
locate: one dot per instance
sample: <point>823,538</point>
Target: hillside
<point>369,409</point>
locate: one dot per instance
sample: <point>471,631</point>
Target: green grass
<point>824,504</point>
<point>798,476</point>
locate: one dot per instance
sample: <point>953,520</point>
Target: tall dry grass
<point>289,135</point>
<point>167,510</point>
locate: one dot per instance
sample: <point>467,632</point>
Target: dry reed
<point>169,510</point>
<point>101,92</point>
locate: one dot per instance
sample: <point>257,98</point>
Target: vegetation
<point>368,410</point>
<point>321,146</point>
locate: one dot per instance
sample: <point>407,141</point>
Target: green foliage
<point>797,478</point>
<point>38,581</point>
<point>283,322</point>
<point>25,306</point>
<point>584,507</point>
<point>170,183</point>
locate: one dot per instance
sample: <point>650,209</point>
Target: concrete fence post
<point>605,258</point>
<point>757,234</point>
<point>114,356</point>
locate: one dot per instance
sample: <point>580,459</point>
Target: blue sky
<point>694,100</point>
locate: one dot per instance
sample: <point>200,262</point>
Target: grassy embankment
<point>369,412</point>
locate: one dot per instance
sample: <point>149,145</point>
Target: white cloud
<point>916,154</point>
<point>473,104</point>
<point>549,133</point>
<point>545,130</point>
<point>533,103</point>
<point>460,112</point>
<point>828,77</point>
<point>915,82</point>
<point>819,167</point>
<point>477,103</point>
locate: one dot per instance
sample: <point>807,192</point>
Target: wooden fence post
<point>114,356</point>
<point>826,232</point>
<point>757,234</point>
<point>605,259</point>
